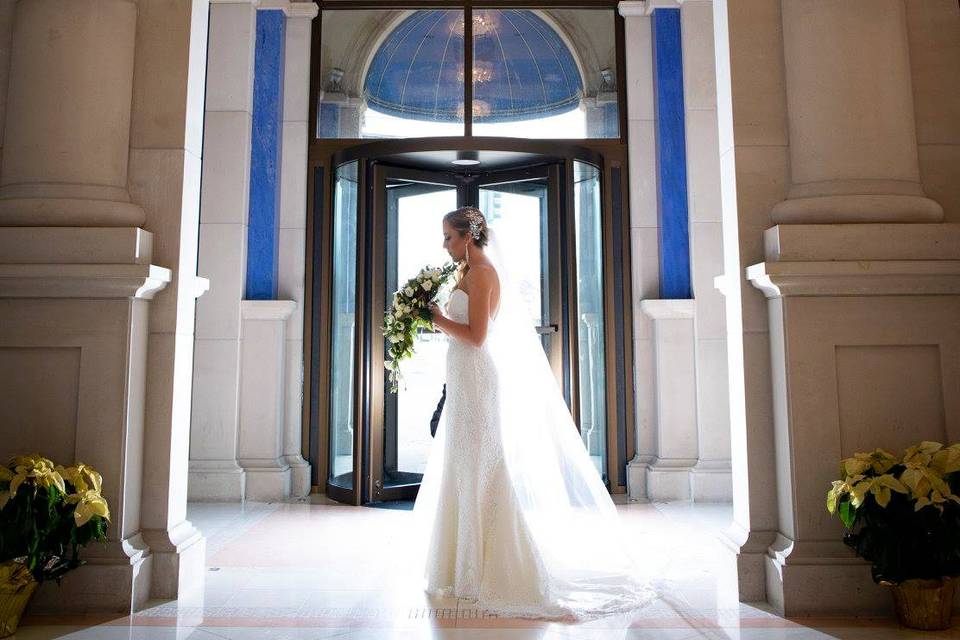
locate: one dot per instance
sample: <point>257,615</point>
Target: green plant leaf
<point>848,514</point>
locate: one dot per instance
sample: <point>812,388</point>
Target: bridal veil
<point>573,524</point>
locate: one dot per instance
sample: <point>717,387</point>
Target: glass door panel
<point>589,309</point>
<point>521,207</point>
<point>413,211</point>
<point>341,461</point>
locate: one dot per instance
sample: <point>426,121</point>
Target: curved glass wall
<point>344,320</point>
<point>592,368</point>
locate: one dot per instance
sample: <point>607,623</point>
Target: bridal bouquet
<point>410,312</point>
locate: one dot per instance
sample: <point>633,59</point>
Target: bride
<point>511,507</point>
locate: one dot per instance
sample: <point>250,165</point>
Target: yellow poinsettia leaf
<point>89,504</point>
<point>4,498</point>
<point>859,491</point>
<point>920,454</point>
<point>936,482</point>
<point>890,482</point>
<point>882,461</point>
<point>946,460</point>
<point>96,480</point>
<point>73,476</point>
<point>6,475</point>
<point>882,495</point>
<point>914,479</point>
<point>16,482</point>
<point>855,466</point>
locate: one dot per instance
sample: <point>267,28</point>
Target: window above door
<point>536,73</point>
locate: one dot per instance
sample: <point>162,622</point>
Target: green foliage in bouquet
<point>903,514</point>
<point>409,313</point>
<point>48,513</point>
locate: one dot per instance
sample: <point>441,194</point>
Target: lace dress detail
<point>480,549</point>
<point>512,512</point>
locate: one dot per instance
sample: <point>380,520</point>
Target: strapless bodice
<point>458,308</point>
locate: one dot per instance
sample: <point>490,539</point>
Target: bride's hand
<point>434,312</point>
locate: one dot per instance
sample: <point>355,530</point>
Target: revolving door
<point>387,210</point>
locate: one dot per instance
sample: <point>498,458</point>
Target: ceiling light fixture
<point>466,159</point>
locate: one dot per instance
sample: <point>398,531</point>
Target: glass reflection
<point>589,242</point>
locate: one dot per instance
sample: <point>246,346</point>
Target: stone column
<point>166,138</point>
<point>74,299</point>
<point>862,315</point>
<point>710,479</point>
<point>644,252</point>
<point>293,229</point>
<point>754,163</point>
<point>102,129</point>
<point>853,140</point>
<point>67,129</point>
<point>224,202</point>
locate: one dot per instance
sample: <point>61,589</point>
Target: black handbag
<point>435,420</point>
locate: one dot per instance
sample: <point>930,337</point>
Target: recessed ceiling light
<point>466,158</point>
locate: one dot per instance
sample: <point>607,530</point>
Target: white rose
<point>398,313</point>
<point>427,285</point>
<point>408,291</point>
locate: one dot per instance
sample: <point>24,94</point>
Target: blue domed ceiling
<point>522,68</point>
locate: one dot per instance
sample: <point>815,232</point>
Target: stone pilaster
<point>853,138</point>
<point>293,229</point>
<point>224,202</point>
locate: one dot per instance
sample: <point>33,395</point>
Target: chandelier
<point>484,22</point>
<point>480,109</point>
<point>482,72</point>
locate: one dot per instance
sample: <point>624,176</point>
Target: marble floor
<point>316,569</point>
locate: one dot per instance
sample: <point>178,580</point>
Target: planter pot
<point>16,587</point>
<point>924,604</point>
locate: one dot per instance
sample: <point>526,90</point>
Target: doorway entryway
<point>388,200</point>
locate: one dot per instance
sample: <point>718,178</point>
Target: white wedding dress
<point>511,508</point>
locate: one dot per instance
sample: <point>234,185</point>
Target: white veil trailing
<point>563,502</point>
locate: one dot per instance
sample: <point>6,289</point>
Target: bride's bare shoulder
<point>484,275</point>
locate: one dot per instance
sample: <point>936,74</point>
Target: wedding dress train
<point>511,509</point>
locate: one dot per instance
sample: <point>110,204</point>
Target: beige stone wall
<point>934,31</point>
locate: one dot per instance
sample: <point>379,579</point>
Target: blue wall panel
<point>671,156</point>
<point>264,216</point>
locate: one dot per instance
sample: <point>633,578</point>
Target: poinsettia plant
<point>48,513</point>
<point>902,513</point>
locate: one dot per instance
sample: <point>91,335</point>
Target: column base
<point>118,581</point>
<point>669,480</point>
<point>268,485</point>
<point>748,549</point>
<point>179,563</point>
<point>821,578</point>
<point>299,476</point>
<point>711,481</point>
<point>637,478</point>
<point>216,481</point>
<point>856,209</point>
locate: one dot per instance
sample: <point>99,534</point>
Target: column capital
<point>290,9</point>
<point>643,8</point>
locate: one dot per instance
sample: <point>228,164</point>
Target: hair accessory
<point>476,222</point>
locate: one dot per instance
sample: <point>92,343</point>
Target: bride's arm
<point>474,333</point>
